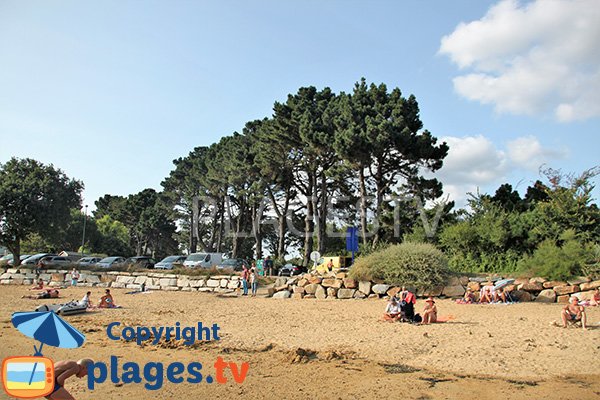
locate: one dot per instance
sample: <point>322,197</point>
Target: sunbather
<point>107,300</point>
<point>86,301</point>
<point>39,285</point>
<point>573,312</point>
<point>595,300</point>
<point>64,370</point>
<point>486,295</point>
<point>499,296</point>
<point>46,294</point>
<point>429,312</point>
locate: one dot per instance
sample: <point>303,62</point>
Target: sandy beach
<point>333,349</point>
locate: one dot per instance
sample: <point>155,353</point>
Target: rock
<point>5,276</point>
<point>303,282</point>
<point>206,289</point>
<point>474,286</point>
<point>433,292</point>
<point>315,280</point>
<point>546,296</point>
<point>270,291</point>
<point>578,280</point>
<point>463,280</point>
<point>522,295</point>
<point>332,282</point>
<point>223,283</point>
<point>211,283</point>
<point>167,282</point>
<point>563,299</point>
<point>309,296</point>
<point>537,279</point>
<point>125,279</point>
<point>551,284</point>
<point>170,288</point>
<point>280,288</point>
<point>380,288</point>
<point>532,287</point>
<point>57,277</point>
<point>509,288</point>
<point>117,285</point>
<point>133,286</point>
<point>47,277</point>
<point>197,283</point>
<point>373,296</point>
<point>589,285</point>
<point>297,295</point>
<point>393,291</point>
<point>364,287</point>
<point>453,281</point>
<point>453,291</point>
<point>233,284</point>
<point>346,293</point>
<point>350,283</point>
<point>5,282</point>
<point>341,275</point>
<point>321,293</point>
<point>182,282</point>
<point>312,288</point>
<point>12,271</point>
<point>284,294</point>
<point>359,295</point>
<point>331,292</point>
<point>92,278</point>
<point>563,290</point>
<point>106,278</point>
<point>299,289</point>
<point>141,279</point>
<point>478,279</point>
<point>188,289</point>
<point>281,281</point>
<point>292,281</point>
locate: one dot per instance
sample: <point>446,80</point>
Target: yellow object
<point>337,263</point>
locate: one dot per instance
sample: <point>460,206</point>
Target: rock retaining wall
<point>340,286</point>
<point>125,280</point>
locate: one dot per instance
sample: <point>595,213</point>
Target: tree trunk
<point>363,205</point>
<point>322,228</point>
<point>308,224</point>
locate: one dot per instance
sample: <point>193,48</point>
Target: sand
<point>334,349</point>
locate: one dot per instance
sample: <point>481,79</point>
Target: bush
<point>420,265</point>
<point>560,262</point>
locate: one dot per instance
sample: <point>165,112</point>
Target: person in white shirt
<point>392,311</point>
<point>74,277</point>
<point>85,301</point>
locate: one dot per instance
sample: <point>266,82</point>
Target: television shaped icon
<point>28,377</point>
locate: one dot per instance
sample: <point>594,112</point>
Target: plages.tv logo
<point>27,377</point>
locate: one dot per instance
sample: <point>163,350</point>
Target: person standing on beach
<point>64,370</point>
<point>269,266</point>
<point>245,278</point>
<point>74,277</point>
<point>253,281</point>
<point>407,301</point>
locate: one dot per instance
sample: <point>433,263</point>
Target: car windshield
<point>196,257</point>
<point>108,259</point>
<point>231,262</point>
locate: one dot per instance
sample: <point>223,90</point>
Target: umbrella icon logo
<point>29,377</point>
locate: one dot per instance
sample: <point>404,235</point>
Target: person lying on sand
<point>107,300</point>
<point>429,312</point>
<point>39,285</point>
<point>64,370</point>
<point>46,294</point>
<point>392,311</point>
<point>573,312</point>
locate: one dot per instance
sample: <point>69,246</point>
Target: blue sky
<point>111,92</point>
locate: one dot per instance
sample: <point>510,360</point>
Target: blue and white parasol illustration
<point>47,328</point>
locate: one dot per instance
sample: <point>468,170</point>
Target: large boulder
<point>321,293</point>
<point>562,290</point>
<point>341,275</point>
<point>546,296</point>
<point>364,287</point>
<point>435,291</point>
<point>303,282</point>
<point>331,292</point>
<point>211,283</point>
<point>453,291</point>
<point>393,291</point>
<point>359,295</point>
<point>537,279</point>
<point>312,288</point>
<point>551,284</point>
<point>350,283</point>
<point>332,282</point>
<point>297,295</point>
<point>299,289</point>
<point>522,296</point>
<point>281,281</point>
<point>315,279</point>
<point>346,293</point>
<point>587,295</point>
<point>563,299</point>
<point>589,285</point>
<point>380,288</point>
<point>284,294</point>
<point>532,287</point>
<point>578,280</point>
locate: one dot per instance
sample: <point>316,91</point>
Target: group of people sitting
<point>106,301</point>
<point>401,308</point>
<point>487,295</point>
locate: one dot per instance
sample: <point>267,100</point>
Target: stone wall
<point>340,286</point>
<point>125,280</point>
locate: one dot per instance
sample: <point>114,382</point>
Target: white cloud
<point>475,163</point>
<point>538,57</point>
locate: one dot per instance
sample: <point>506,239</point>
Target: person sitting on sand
<point>64,370</point>
<point>499,296</point>
<point>107,300</point>
<point>392,311</point>
<point>39,285</point>
<point>429,312</point>
<point>573,312</point>
<point>46,294</point>
<point>86,301</point>
<point>406,302</point>
<point>595,300</point>
<point>468,298</point>
<point>486,295</point>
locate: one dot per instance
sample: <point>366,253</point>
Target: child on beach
<point>429,312</point>
<point>573,312</point>
<point>39,285</point>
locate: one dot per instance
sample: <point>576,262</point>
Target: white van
<point>203,260</point>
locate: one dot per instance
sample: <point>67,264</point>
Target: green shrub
<point>420,265</point>
<point>560,261</point>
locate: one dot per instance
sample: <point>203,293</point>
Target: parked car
<point>203,260</point>
<point>108,262</point>
<point>141,261</point>
<point>236,264</point>
<point>291,270</point>
<point>88,261</point>
<point>34,259</point>
<point>53,261</point>
<point>168,262</point>
<point>10,261</point>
